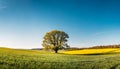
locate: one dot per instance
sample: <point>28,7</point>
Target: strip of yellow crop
<point>92,51</point>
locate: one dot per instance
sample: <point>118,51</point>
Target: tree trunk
<point>56,51</point>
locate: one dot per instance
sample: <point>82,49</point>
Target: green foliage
<point>34,59</point>
<point>55,40</point>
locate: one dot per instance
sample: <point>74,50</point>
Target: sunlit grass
<point>39,59</point>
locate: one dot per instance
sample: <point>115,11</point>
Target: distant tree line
<point>106,46</point>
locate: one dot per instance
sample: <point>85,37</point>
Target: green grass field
<point>34,59</point>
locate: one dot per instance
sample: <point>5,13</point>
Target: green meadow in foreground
<point>34,59</point>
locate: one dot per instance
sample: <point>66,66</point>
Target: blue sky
<point>23,23</point>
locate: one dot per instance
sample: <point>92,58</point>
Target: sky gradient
<point>23,23</point>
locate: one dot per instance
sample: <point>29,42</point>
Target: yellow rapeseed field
<point>93,51</point>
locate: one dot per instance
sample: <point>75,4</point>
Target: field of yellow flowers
<point>94,51</point>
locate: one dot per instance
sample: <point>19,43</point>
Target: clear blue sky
<point>23,23</point>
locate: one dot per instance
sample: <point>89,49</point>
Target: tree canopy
<point>55,40</point>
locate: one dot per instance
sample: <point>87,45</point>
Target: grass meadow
<point>76,59</point>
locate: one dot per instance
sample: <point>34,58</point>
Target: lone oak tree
<point>55,40</point>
